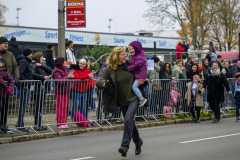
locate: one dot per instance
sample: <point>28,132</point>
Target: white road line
<point>204,139</point>
<point>83,158</point>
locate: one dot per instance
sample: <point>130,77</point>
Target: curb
<point>39,136</point>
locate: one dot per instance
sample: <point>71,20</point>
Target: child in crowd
<point>68,64</point>
<point>138,66</point>
<point>174,95</point>
<point>194,97</point>
<point>236,94</point>
<point>5,88</point>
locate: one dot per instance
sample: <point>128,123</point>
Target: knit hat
<point>173,82</point>
<point>237,75</point>
<point>156,59</point>
<point>234,61</point>
<point>92,59</point>
<point>84,57</point>
<point>3,40</point>
<point>199,68</point>
<point>27,52</point>
<point>238,63</point>
<point>69,62</point>
<point>13,39</point>
<point>214,56</point>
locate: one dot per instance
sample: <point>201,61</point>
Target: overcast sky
<point>127,15</point>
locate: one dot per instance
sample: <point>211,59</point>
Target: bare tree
<point>3,9</point>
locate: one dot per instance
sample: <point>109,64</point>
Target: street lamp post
<point>18,9</point>
<point>109,25</point>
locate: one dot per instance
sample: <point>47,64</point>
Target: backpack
<point>167,111</point>
<point>78,117</point>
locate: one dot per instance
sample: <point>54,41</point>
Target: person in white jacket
<point>70,53</point>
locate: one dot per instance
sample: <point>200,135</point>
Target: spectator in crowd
<point>165,72</point>
<point>205,66</point>
<point>179,49</point>
<point>66,48</point>
<point>186,63</point>
<point>174,95</point>
<point>12,68</point>
<point>236,94</point>
<point>194,97</point>
<point>138,67</point>
<point>40,72</point>
<point>193,70</point>
<point>236,69</point>
<point>178,70</point>
<point>61,89</point>
<point>184,58</point>
<point>115,82</point>
<point>219,58</point>
<point>92,62</point>
<point>185,46</point>
<point>209,58</point>
<point>79,94</point>
<point>49,55</point>
<point>68,64</point>
<point>5,89</point>
<point>103,65</point>
<point>193,60</point>
<point>70,53</point>
<point>25,70</point>
<point>216,81</point>
<point>155,87</point>
<point>13,47</point>
<point>226,71</point>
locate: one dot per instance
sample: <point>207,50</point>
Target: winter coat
<point>236,94</point>
<point>82,86</point>
<point>215,87</point>
<point>38,73</point>
<point>186,47</point>
<point>70,56</point>
<point>11,62</point>
<point>174,95</point>
<point>13,47</point>
<point>179,51</point>
<point>109,97</point>
<point>199,98</point>
<point>5,77</point>
<point>176,70</point>
<point>235,70</point>
<point>190,74</point>
<point>25,70</point>
<point>61,87</point>
<point>205,68</point>
<point>49,58</point>
<point>103,65</point>
<point>153,74</point>
<point>138,62</point>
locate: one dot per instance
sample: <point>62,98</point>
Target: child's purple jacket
<point>5,77</point>
<point>138,62</point>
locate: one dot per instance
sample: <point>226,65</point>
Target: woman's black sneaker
<point>123,152</point>
<point>215,120</point>
<point>197,121</point>
<point>138,148</point>
<point>193,120</point>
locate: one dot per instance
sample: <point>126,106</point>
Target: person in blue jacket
<point>185,45</point>
<point>236,94</point>
<point>49,56</point>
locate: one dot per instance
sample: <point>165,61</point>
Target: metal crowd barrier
<point>55,102</point>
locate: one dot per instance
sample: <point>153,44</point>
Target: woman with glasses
<point>79,95</point>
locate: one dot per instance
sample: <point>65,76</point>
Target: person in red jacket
<point>79,95</point>
<point>62,87</point>
<point>179,49</point>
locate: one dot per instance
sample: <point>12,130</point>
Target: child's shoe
<point>237,119</point>
<point>61,127</point>
<point>142,102</point>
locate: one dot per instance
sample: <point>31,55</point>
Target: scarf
<point>215,72</point>
<point>157,67</point>
<point>167,73</point>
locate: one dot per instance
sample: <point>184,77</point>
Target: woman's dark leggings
<point>198,113</point>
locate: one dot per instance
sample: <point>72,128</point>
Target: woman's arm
<point>35,75</point>
<point>46,68</point>
<point>102,78</point>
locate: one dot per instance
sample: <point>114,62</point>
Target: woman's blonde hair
<point>112,60</point>
<point>180,41</point>
<point>83,61</point>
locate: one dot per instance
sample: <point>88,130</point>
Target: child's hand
<point>125,68</point>
<point>199,92</point>
<point>9,91</point>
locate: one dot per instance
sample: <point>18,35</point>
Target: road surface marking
<point>204,139</point>
<point>83,158</point>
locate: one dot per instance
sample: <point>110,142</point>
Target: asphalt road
<point>204,141</point>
